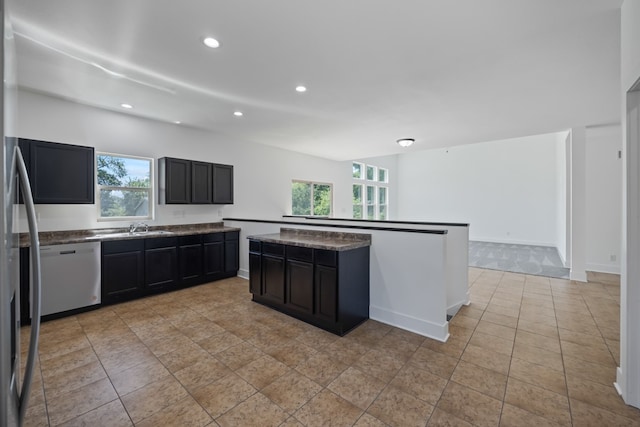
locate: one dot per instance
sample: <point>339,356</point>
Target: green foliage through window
<point>124,185</point>
<point>310,198</point>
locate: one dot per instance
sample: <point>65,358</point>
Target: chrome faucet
<point>133,227</point>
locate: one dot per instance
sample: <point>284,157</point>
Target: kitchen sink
<point>151,233</point>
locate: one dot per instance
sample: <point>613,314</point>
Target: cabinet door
<point>213,258</point>
<point>178,181</point>
<point>60,173</point>
<point>161,267</point>
<point>326,284</point>
<point>273,278</point>
<point>190,263</point>
<point>122,275</point>
<point>231,254</point>
<point>300,286</point>
<point>201,182</point>
<point>255,274</point>
<point>222,184</point>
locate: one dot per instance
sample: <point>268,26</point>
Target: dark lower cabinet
<point>139,267</point>
<point>329,289</point>
<point>190,255</point>
<point>122,270</point>
<point>160,261</point>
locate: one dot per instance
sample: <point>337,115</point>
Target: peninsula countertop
<point>328,240</point>
<point>48,238</point>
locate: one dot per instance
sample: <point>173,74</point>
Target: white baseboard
<point>603,268</point>
<point>453,309</point>
<point>243,273</point>
<point>422,327</point>
<point>578,276</point>
<point>511,241</point>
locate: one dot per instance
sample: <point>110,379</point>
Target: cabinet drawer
<point>254,246</point>
<point>300,253</point>
<point>231,235</point>
<point>213,237</point>
<point>160,242</point>
<point>194,239</point>
<point>326,257</point>
<point>273,249</point>
<point>122,246</point>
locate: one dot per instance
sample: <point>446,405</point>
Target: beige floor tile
<point>454,346</point>
<point>538,355</point>
<point>65,382</point>
<point>291,391</point>
<point>292,353</point>
<point>470,405</point>
<point>601,396</point>
<point>541,402</point>
<point>321,368</point>
<point>492,342</point>
<point>380,364</point>
<point>537,340</point>
<point>469,311</point>
<point>496,330</point>
<point>603,374</point>
<point>440,418</point>
<point>597,353</point>
<point>487,359</point>
<point>112,414</point>
<point>538,375</point>
<point>222,395</point>
<point>262,372</point>
<point>397,408</point>
<point>255,411</point>
<point>186,412</point>
<point>537,328</point>
<point>437,363</point>
<point>500,319</point>
<point>125,359</point>
<point>329,409</point>
<point>51,346</point>
<point>357,387</point>
<point>480,379</point>
<point>587,415</point>
<point>220,342</point>
<point>138,376</point>
<point>317,338</point>
<point>348,351</point>
<point>36,415</point>
<point>183,357</point>
<point>239,355</point>
<point>67,362</point>
<point>291,422</point>
<point>69,405</point>
<point>206,371</point>
<point>512,416</point>
<point>368,420</point>
<point>419,383</point>
<point>153,397</point>
<point>464,321</point>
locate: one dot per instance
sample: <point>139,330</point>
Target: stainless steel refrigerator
<point>15,385</point>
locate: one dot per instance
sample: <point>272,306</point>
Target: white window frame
<point>149,190</point>
<point>312,183</point>
<point>364,182</point>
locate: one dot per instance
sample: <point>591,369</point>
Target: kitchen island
<point>320,277</point>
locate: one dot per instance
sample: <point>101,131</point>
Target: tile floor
<point>528,350</point>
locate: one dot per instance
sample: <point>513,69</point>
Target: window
<point>370,198</point>
<point>125,187</point>
<point>311,198</point>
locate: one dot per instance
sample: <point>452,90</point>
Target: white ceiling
<point>443,72</point>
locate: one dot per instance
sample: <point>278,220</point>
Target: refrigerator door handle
<point>36,289</point>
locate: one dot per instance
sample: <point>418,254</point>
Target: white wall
<point>507,190</point>
<point>603,198</point>
<point>262,174</point>
<point>561,196</point>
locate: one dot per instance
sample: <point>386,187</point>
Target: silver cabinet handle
<point>35,303</point>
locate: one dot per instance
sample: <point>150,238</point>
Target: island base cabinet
<point>329,289</point>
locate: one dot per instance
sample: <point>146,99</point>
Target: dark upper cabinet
<point>222,184</point>
<point>59,173</point>
<point>201,182</point>
<point>175,180</point>
<point>191,182</point>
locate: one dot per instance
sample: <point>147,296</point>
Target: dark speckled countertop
<point>48,238</point>
<point>330,240</point>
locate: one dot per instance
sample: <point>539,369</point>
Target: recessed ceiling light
<point>211,42</point>
<point>301,89</point>
<point>128,106</point>
<point>177,122</point>
<point>406,142</point>
<point>238,113</point>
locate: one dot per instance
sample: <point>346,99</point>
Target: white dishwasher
<point>70,276</point>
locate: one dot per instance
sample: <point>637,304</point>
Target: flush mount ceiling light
<point>127,106</point>
<point>301,89</point>
<point>211,42</point>
<point>177,122</point>
<point>238,113</point>
<point>406,142</point>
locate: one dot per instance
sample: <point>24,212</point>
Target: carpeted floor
<point>537,260</point>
